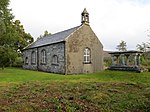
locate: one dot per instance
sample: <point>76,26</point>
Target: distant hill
<point>106,54</point>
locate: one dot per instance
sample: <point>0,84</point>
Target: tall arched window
<point>26,60</point>
<point>33,58</point>
<point>43,53</point>
<point>87,55</point>
<point>55,59</point>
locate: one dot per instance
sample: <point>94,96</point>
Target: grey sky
<point>111,20</point>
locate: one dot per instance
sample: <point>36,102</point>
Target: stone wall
<point>49,66</point>
<point>83,38</point>
<point>29,64</point>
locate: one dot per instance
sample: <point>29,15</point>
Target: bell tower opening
<point>85,17</point>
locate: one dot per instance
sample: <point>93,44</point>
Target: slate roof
<point>55,38</point>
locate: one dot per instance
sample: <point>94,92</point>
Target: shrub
<point>107,62</point>
<point>18,62</point>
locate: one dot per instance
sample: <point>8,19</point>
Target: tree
<point>148,43</point>
<point>122,46</point>
<point>12,36</point>
<point>145,58</point>
<point>7,56</point>
<point>46,33</point>
<point>142,47</point>
<point>22,38</point>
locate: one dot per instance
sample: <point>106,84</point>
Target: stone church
<point>73,51</point>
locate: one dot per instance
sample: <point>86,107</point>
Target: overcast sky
<point>111,20</point>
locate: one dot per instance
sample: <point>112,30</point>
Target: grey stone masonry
<point>66,52</point>
<point>54,58</point>
<point>124,64</point>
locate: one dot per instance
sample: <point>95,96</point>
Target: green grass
<point>19,75</point>
<point>106,91</point>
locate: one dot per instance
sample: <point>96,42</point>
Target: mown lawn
<point>106,91</point>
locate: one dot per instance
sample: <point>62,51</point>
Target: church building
<point>73,51</point>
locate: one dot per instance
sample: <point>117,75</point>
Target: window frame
<point>87,56</point>
<point>33,57</point>
<point>26,60</point>
<point>55,60</point>
<point>43,56</point>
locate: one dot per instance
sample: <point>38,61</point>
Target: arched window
<point>33,59</point>
<point>87,55</point>
<point>26,60</point>
<point>43,53</point>
<point>55,59</point>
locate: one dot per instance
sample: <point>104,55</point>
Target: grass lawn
<point>106,91</point>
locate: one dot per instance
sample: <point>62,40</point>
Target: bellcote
<point>85,17</point>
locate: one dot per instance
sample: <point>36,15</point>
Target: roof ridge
<point>73,32</point>
<point>64,30</point>
<point>54,38</point>
<point>56,33</point>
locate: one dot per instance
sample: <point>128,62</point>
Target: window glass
<point>33,57</point>
<point>87,55</point>
<point>26,60</point>
<point>43,56</point>
<point>55,59</point>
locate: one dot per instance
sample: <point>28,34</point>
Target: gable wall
<point>83,38</point>
<point>49,66</point>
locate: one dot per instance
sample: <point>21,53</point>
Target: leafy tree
<point>46,33</point>
<point>12,36</point>
<point>7,56</point>
<point>122,46</point>
<point>145,58</point>
<point>23,38</point>
<point>149,40</point>
<point>142,47</point>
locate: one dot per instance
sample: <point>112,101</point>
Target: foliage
<point>13,38</point>
<point>23,38</point>
<point>7,56</point>
<point>99,92</point>
<point>145,62</point>
<point>144,47</point>
<point>18,62</point>
<point>122,46</point>
<point>149,41</point>
<point>46,33</point>
<point>107,62</point>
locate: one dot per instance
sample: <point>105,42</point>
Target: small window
<point>43,53</point>
<point>55,59</point>
<point>26,60</point>
<point>33,58</point>
<point>87,55</point>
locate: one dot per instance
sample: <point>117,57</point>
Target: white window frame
<point>87,55</point>
<point>43,52</point>
<point>33,57</point>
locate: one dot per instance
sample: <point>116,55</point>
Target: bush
<point>18,62</point>
<point>145,62</point>
<point>107,62</point>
